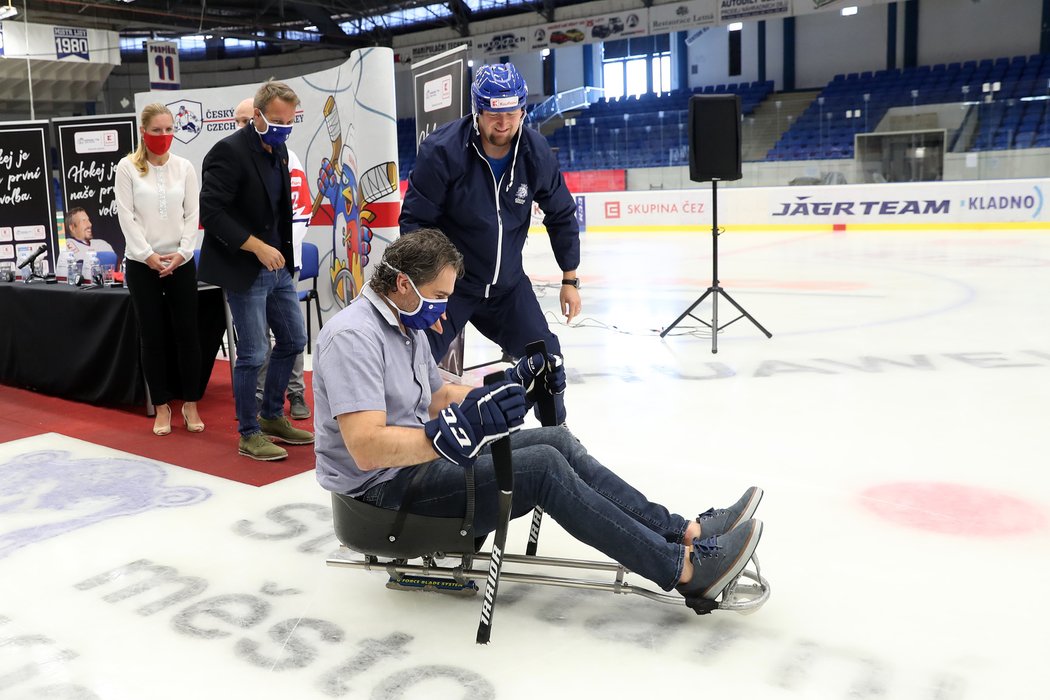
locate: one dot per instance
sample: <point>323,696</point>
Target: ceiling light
<point>847,11</point>
<point>7,12</point>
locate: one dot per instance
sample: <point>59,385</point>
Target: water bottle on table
<point>71,267</point>
<point>94,267</point>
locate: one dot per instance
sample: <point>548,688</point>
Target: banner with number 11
<point>163,60</point>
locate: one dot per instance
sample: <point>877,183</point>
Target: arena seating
<point>650,130</point>
<point>825,131</point>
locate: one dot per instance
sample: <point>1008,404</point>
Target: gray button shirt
<point>365,362</point>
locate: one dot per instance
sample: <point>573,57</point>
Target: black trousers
<point>160,303</point>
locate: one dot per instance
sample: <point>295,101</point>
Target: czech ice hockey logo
<point>522,194</point>
<point>187,119</point>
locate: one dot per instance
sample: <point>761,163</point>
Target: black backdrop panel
<point>27,199</point>
<point>89,149</point>
<point>714,138</point>
<point>440,90</point>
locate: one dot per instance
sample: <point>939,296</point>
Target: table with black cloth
<point>83,343</point>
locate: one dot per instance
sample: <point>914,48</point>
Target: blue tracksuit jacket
<point>452,187</point>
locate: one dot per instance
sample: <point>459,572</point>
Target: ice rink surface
<point>898,421</point>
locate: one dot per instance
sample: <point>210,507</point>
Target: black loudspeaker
<point>714,138</point>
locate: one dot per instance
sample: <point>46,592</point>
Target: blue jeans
<point>296,384</point>
<point>554,471</point>
<point>271,303</point>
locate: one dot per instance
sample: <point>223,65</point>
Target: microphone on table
<point>31,257</point>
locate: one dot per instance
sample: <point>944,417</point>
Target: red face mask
<point>158,143</point>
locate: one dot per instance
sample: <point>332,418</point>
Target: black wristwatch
<point>572,283</point>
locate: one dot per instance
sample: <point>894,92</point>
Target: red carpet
<point>126,428</point>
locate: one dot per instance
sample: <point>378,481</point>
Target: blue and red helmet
<point>498,88</point>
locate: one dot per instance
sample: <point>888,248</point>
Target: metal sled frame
<point>739,596</point>
<point>377,539</point>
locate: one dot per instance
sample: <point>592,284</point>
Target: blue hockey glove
<point>555,379</point>
<point>540,375</point>
<point>495,410</point>
<point>487,413</point>
<point>452,437</point>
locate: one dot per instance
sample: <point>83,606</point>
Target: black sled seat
<point>380,532</point>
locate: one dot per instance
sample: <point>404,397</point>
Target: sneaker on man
<point>298,409</point>
<point>714,522</point>
<point>282,429</point>
<point>258,447</point>
<point>717,561</point>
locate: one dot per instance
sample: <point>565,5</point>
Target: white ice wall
<point>826,43</point>
<point>954,30</point>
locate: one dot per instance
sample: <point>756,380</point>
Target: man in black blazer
<point>245,207</point>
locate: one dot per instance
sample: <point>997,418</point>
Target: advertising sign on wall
<point>591,30</point>
<point>439,86</point>
<point>345,136</point>
<point>742,10</point>
<point>682,15</point>
<point>27,196</point>
<point>89,149</point>
<point>587,30</point>
<point>945,206</point>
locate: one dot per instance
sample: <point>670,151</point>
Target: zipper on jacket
<point>499,220</point>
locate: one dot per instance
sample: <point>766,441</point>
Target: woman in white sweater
<point>156,194</point>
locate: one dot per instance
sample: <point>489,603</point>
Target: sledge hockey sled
<point>388,540</point>
<point>372,534</point>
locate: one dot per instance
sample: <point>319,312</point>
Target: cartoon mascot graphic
<point>350,198</point>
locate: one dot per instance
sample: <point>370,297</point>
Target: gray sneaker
<point>299,410</point>
<point>719,560</point>
<point>281,429</point>
<point>714,522</point>
<point>258,447</point>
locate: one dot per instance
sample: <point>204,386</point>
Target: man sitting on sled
<point>381,411</point>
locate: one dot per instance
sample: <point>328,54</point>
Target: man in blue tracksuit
<point>475,179</point>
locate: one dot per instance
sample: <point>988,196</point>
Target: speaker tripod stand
<point>715,290</point>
